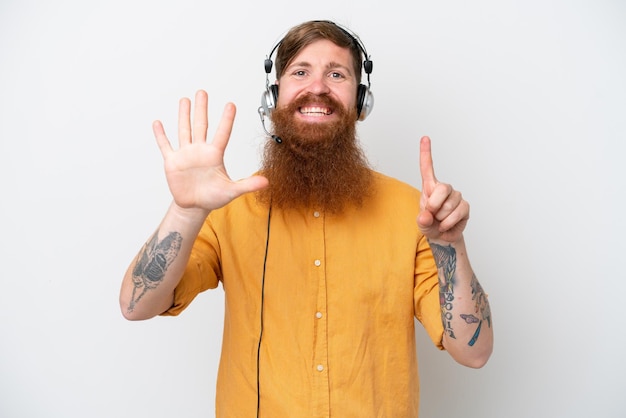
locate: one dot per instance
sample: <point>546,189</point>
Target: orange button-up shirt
<point>338,304</point>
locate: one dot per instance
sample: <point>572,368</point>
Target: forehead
<point>325,53</point>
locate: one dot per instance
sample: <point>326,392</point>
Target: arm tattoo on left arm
<point>445,258</point>
<point>480,298</point>
<point>153,263</point>
<point>481,308</point>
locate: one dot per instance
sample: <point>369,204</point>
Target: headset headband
<point>367,63</point>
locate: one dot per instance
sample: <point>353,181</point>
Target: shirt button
<point>318,263</point>
<point>316,214</point>
<point>320,368</point>
<point>318,315</point>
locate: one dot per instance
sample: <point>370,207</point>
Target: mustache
<point>317,99</point>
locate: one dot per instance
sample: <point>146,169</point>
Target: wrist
<point>190,215</point>
<point>458,243</point>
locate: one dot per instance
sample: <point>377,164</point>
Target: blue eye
<point>337,76</point>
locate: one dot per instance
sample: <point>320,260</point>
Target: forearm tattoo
<point>445,258</point>
<point>481,308</point>
<point>152,264</point>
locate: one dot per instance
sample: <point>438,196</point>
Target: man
<point>323,264</point>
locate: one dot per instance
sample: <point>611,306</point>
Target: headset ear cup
<point>269,99</point>
<point>364,102</point>
<point>274,92</point>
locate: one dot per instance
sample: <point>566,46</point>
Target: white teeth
<point>315,110</point>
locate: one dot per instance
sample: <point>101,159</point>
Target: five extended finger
<point>225,127</point>
<point>200,116</point>
<point>184,122</point>
<point>161,138</point>
<point>251,184</point>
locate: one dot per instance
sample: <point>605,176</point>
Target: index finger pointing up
<point>426,165</point>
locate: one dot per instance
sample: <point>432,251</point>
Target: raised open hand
<point>443,212</point>
<point>195,172</point>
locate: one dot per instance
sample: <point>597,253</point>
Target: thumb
<point>251,184</point>
<point>426,222</point>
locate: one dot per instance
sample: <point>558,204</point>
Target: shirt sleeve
<point>426,293</point>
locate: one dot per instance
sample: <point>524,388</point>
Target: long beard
<point>317,165</point>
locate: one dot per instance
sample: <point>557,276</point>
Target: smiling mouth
<point>315,111</point>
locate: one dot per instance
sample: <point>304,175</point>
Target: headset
<point>364,98</point>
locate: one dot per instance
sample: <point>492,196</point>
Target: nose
<point>319,85</point>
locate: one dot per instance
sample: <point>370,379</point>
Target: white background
<point>525,102</point>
